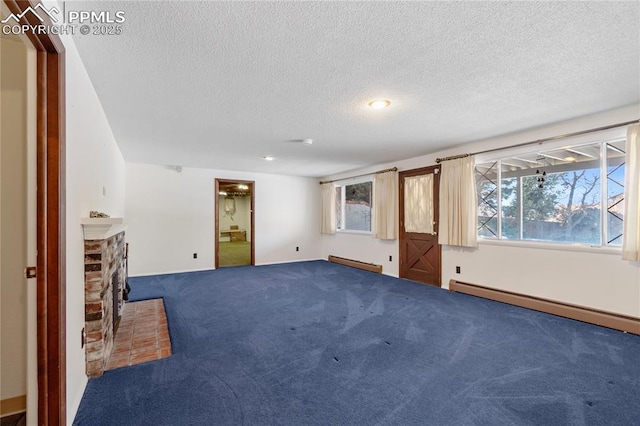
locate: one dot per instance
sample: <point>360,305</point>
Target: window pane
<point>358,206</point>
<point>581,205</point>
<point>540,212</point>
<point>565,207</point>
<point>615,191</point>
<point>487,189</point>
<point>338,207</point>
<point>510,208</point>
<point>559,195</point>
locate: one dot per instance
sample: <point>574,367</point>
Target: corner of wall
<point>95,181</point>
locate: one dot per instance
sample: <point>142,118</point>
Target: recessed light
<point>380,103</point>
<point>570,159</point>
<point>268,158</point>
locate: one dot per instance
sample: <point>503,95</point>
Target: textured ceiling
<point>221,84</point>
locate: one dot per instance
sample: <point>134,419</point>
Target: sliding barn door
<point>419,248</point>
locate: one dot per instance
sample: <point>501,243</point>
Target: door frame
<point>401,233</point>
<point>51,218</point>
<point>216,236</point>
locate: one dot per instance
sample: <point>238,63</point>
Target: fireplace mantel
<point>101,228</point>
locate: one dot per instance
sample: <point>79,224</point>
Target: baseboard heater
<point>580,313</point>
<point>356,264</point>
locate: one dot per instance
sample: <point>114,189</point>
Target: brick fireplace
<point>104,278</point>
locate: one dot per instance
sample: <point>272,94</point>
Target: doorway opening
<point>48,404</point>
<point>18,362</point>
<point>234,227</point>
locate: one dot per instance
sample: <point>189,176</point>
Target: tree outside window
<point>353,206</point>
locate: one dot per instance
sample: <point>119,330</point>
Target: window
<point>353,207</point>
<point>572,195</point>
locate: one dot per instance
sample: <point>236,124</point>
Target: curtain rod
<point>541,141</point>
<point>393,169</point>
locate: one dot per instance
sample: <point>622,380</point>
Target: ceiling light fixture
<point>307,141</point>
<point>380,103</point>
<point>268,158</point>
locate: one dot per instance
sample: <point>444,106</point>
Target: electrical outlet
<point>297,248</point>
<point>82,338</point>
<point>457,269</point>
<point>390,258</point>
<point>195,255</point>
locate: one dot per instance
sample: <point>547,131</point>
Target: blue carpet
<point>316,343</point>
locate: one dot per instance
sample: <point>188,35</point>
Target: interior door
<point>48,405</point>
<point>420,253</point>
<point>18,150</point>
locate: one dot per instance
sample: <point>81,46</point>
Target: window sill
<point>348,231</point>
<point>553,246</point>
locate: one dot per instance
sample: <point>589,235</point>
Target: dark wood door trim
<point>51,230</point>
<point>402,255</point>
<point>252,188</point>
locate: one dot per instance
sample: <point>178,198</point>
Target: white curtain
<point>418,204</point>
<point>631,230</point>
<point>328,208</point>
<point>458,203</point>
<point>384,205</point>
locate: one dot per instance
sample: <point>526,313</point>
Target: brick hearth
<point>142,335</point>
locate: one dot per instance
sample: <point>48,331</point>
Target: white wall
<point>363,247</point>
<point>13,219</point>
<point>94,181</point>
<point>599,280</point>
<point>595,279</point>
<point>170,216</point>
